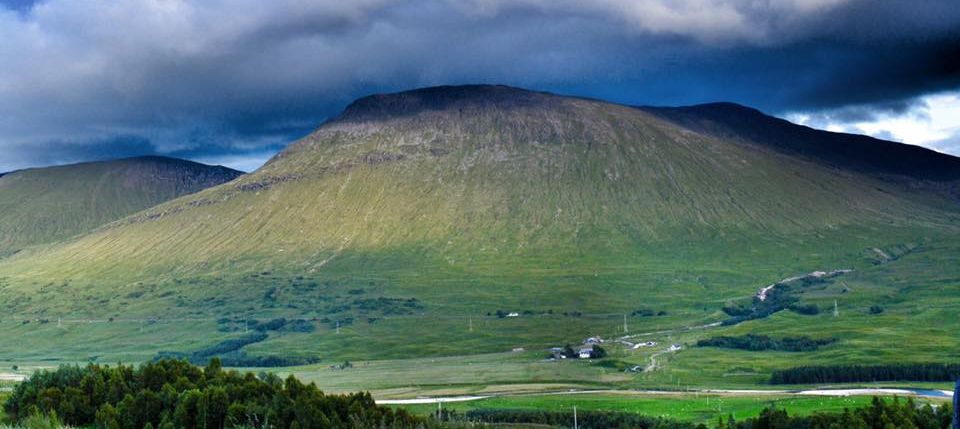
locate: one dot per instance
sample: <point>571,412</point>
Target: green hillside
<point>412,218</point>
<point>42,205</point>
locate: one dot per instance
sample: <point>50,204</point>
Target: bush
<point>647,312</point>
<point>40,421</point>
<point>598,352</point>
<point>805,309</point>
<point>736,310</point>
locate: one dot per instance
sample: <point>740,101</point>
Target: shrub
<point>805,309</point>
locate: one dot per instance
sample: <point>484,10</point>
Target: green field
<point>686,407</point>
<point>3,415</point>
<point>917,291</point>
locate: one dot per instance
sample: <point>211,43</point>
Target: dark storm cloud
<point>58,152</point>
<point>218,79</point>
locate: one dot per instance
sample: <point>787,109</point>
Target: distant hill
<point>41,205</point>
<point>412,211</point>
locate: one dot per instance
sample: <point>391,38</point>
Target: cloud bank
<point>233,81</point>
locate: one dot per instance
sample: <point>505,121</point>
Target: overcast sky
<point>232,82</point>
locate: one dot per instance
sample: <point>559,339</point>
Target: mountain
<point>42,205</point>
<point>452,203</point>
<point>843,151</point>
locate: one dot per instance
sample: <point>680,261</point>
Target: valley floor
<point>901,309</point>
<point>683,406</point>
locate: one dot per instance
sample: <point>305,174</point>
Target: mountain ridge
<point>864,153</point>
<point>52,203</point>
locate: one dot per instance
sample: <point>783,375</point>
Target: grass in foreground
<point>682,407</point>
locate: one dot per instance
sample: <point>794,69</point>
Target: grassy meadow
<point>452,345</point>
<point>699,408</point>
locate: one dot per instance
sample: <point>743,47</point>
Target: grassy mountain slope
<point>42,205</point>
<point>843,151</point>
<point>413,217</point>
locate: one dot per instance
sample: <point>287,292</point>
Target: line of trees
<point>755,342</point>
<point>866,373</point>
<point>171,394</point>
<point>585,419</point>
<point>881,414</point>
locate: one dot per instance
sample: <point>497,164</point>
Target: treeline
<point>279,325</point>
<point>585,419</point>
<point>879,415</point>
<point>866,373</point>
<point>896,414</point>
<point>172,394</point>
<point>754,342</point>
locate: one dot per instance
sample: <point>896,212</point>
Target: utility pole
<point>625,330</point>
<point>836,310</point>
<point>338,326</point>
<point>471,324</point>
<point>59,322</point>
<point>575,426</point>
